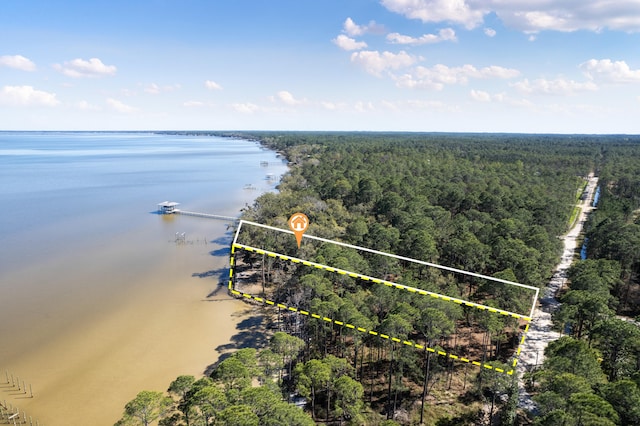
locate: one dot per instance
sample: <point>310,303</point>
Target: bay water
<point>101,297</point>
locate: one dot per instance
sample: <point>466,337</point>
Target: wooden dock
<point>207,215</point>
<point>170,207</point>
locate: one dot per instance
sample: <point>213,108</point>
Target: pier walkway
<point>207,215</point>
<point>170,207</point>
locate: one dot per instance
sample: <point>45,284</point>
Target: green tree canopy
<point>145,408</point>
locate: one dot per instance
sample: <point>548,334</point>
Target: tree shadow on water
<point>223,272</point>
<point>220,289</point>
<point>251,334</point>
<point>225,240</point>
<point>221,252</point>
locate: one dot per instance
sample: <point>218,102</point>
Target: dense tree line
<point>492,204</point>
<point>614,228</point>
<point>592,375</point>
<point>243,390</point>
<point>486,203</point>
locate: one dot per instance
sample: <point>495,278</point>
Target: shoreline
<point>139,340</point>
<point>106,317</point>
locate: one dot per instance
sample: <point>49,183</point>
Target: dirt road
<point>540,332</point>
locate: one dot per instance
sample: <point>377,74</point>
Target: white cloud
<point>480,96</point>
<point>418,105</point>
<point>347,43</point>
<point>287,98</point>
<point>542,20</point>
<point>212,85</point>
<point>430,105</point>
<point>154,89</point>
<point>193,104</point>
<point>351,28</point>
<point>505,99</point>
<point>390,105</point>
<point>79,68</point>
<point>18,62</point>
<point>375,62</point>
<point>26,96</point>
<point>502,97</point>
<point>529,16</point>
<point>333,106</point>
<point>401,106</point>
<point>245,108</point>
<point>610,71</point>
<point>362,106</point>
<point>567,15</point>
<point>120,107</point>
<point>86,106</point>
<point>490,32</point>
<point>457,11</point>
<point>439,75</point>
<point>594,15</point>
<point>558,86</point>
<point>445,34</point>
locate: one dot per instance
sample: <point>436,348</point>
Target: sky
<point>529,66</point>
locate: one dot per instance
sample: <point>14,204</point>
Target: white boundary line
<point>380,281</point>
<point>412,289</point>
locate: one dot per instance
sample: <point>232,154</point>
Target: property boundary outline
<point>235,245</point>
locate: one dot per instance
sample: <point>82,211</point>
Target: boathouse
<point>167,207</point>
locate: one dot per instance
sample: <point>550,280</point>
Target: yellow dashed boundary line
<point>522,339</point>
<point>364,330</point>
<point>379,281</point>
<point>375,333</point>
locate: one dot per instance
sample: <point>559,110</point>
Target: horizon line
<point>319,131</point>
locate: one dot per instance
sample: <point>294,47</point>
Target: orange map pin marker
<point>298,222</point>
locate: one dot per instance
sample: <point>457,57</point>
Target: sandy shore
<point>138,325</point>
<point>97,300</point>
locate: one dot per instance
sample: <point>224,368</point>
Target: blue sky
<point>557,66</point>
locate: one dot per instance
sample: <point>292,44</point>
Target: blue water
<point>82,250</point>
<point>583,250</point>
<point>65,187</point>
<point>596,197</point>
<point>79,222</point>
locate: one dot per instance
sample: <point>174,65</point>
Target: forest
<point>493,204</point>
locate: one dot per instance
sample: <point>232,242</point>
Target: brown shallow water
<point>112,321</point>
<point>97,301</point>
